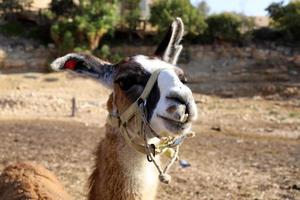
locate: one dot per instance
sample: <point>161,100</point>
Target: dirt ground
<point>245,148</point>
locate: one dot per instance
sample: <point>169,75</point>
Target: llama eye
<point>126,84</point>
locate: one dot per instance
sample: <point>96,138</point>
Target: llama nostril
<point>171,109</point>
<point>177,112</point>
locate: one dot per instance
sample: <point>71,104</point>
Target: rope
<point>163,176</point>
<point>138,110</point>
<point>166,143</point>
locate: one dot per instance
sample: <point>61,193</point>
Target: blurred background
<point>242,60</point>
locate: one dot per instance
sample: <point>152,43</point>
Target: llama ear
<point>87,65</point>
<point>169,49</point>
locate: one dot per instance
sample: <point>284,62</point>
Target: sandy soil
<point>245,148</point>
<point>224,166</point>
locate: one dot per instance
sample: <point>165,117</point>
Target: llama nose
<point>180,108</point>
<point>178,113</point>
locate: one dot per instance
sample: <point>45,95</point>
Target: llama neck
<point>121,172</point>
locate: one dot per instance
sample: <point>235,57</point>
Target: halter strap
<point>131,110</point>
<point>138,111</point>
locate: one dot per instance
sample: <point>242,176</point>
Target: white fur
<point>168,82</point>
<point>151,64</point>
<point>174,48</point>
<point>58,63</point>
<point>137,167</point>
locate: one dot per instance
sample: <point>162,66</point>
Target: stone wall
<point>213,69</point>
<point>247,71</point>
<point>19,55</point>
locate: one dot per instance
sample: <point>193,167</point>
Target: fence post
<point>74,107</point>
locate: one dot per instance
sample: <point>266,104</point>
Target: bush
<point>63,7</point>
<point>131,14</point>
<point>286,19</point>
<point>224,27</point>
<point>164,11</point>
<point>12,29</point>
<point>105,54</point>
<point>266,34</point>
<point>7,7</point>
<point>85,27</point>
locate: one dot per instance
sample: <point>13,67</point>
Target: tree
<point>286,19</point>
<point>63,7</point>
<point>164,11</point>
<point>224,26</point>
<point>85,27</point>
<point>131,13</point>
<point>247,23</point>
<point>13,6</point>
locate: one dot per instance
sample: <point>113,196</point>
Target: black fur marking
<point>132,79</point>
<point>152,101</point>
<point>169,49</point>
<point>164,44</point>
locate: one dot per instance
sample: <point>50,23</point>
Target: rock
<point>269,130</point>
<point>51,46</point>
<point>294,73</point>
<point>269,89</point>
<point>14,63</point>
<point>296,60</point>
<point>2,55</point>
<point>283,68</point>
<point>260,54</point>
<point>184,163</point>
<point>274,54</point>
<point>290,91</point>
<point>216,128</point>
<point>29,47</point>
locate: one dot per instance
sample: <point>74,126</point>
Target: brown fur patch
<point>108,181</point>
<point>30,181</point>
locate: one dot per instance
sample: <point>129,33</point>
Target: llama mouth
<point>174,126</point>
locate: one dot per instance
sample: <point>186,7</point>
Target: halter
<point>137,111</point>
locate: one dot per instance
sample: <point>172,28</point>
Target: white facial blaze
<point>168,84</point>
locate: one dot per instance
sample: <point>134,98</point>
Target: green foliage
<point>13,6</point>
<point>163,13</point>
<point>18,29</point>
<point>63,7</point>
<point>131,13</point>
<point>12,29</point>
<point>105,53</point>
<point>286,19</point>
<point>248,23</point>
<point>85,27</point>
<point>224,26</point>
<point>266,34</point>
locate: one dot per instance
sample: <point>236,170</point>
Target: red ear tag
<point>70,64</point>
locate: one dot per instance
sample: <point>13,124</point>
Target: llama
<point>149,104</point>
<point>30,181</point>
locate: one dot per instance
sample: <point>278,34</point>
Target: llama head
<point>170,105</point>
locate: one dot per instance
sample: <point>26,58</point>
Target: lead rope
<point>163,176</point>
<point>167,144</point>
